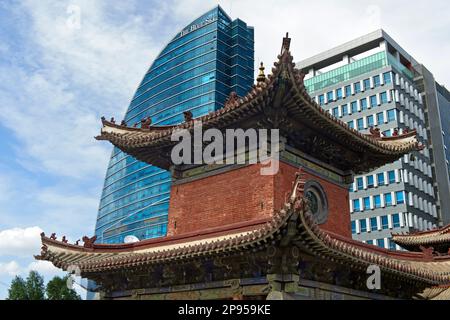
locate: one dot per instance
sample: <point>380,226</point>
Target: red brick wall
<point>235,196</point>
<point>243,195</point>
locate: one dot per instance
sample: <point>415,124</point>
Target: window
<point>370,242</point>
<point>384,222</point>
<point>388,199</point>
<point>354,107</point>
<point>392,245</point>
<point>370,181</point>
<point>391,176</point>
<point>330,96</point>
<point>396,220</point>
<point>380,243</point>
<point>399,197</point>
<point>351,124</point>
<point>387,133</point>
<point>353,227</point>
<point>359,183</point>
<point>391,115</point>
<point>321,100</point>
<point>373,224</point>
<point>350,188</point>
<point>370,122</point>
<point>373,101</point>
<point>339,94</point>
<point>377,201</point>
<point>366,84</point>
<point>376,81</point>
<point>318,203</point>
<point>387,77</point>
<point>383,97</point>
<point>380,179</point>
<point>366,202</point>
<point>344,110</point>
<point>336,112</point>
<point>357,87</point>
<point>380,117</point>
<point>363,225</point>
<point>360,123</point>
<point>363,103</point>
<point>356,205</point>
<point>348,91</point>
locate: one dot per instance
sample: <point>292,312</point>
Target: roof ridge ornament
<point>146,123</point>
<point>261,75</point>
<point>286,43</point>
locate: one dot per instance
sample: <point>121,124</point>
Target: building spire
<point>261,75</point>
<point>286,43</point>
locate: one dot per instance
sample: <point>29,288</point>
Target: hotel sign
<point>198,26</point>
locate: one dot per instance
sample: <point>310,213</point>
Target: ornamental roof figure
<point>261,77</point>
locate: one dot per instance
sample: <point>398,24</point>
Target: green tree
<point>57,290</point>
<point>35,286</point>
<point>18,289</point>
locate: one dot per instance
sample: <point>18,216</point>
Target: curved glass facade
<point>196,71</point>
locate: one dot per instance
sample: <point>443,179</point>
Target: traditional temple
<point>236,234</point>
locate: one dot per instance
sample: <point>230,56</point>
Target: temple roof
<point>425,267</point>
<point>278,102</point>
<point>439,239</point>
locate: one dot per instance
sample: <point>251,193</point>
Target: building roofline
<point>353,47</point>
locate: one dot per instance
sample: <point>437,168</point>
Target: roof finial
<point>261,76</point>
<point>286,43</point>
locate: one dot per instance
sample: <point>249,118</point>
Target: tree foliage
<point>33,288</point>
<point>18,289</point>
<point>57,290</point>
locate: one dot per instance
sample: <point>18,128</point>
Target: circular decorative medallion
<point>317,201</point>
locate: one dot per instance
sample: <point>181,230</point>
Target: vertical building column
<point>394,199</point>
<point>379,227</point>
<point>405,175</point>
<point>397,176</point>
<point>402,219</point>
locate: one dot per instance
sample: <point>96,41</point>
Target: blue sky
<point>58,79</point>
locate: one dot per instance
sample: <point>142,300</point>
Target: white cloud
<point>69,79</point>
<point>20,242</point>
<point>11,268</point>
<point>44,268</point>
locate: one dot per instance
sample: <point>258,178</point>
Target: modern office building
<point>196,71</point>
<point>443,96</point>
<point>373,82</point>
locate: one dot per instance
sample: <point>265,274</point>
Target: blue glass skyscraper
<point>197,70</point>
